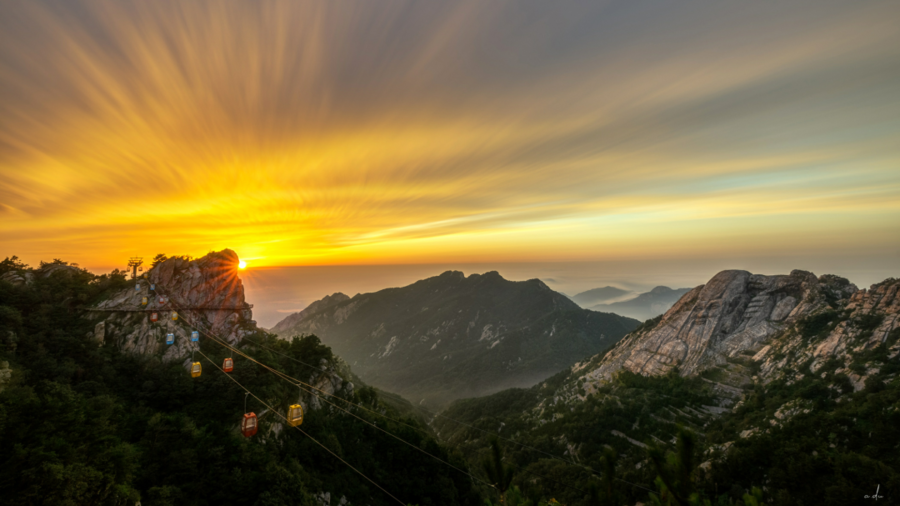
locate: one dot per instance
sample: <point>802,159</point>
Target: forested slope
<point>804,405</point>
<point>84,423</point>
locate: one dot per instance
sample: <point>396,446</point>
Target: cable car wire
<point>555,457</point>
<point>297,382</point>
<point>314,440</point>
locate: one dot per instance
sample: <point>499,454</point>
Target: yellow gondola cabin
<point>295,415</point>
<point>196,369</point>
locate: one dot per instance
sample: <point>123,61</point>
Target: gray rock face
<point>734,312</point>
<point>206,293</point>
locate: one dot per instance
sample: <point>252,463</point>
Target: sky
<point>763,134</point>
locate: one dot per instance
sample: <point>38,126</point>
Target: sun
<point>242,264</point>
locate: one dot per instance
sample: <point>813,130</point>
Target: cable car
<point>144,301</point>
<point>161,300</point>
<point>228,365</point>
<point>170,338</point>
<point>196,369</point>
<point>195,336</point>
<point>174,316</point>
<point>137,287</point>
<point>248,424</point>
<point>295,415</point>
<point>153,287</point>
<point>154,317</point>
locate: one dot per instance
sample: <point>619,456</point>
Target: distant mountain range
<point>452,336</point>
<point>603,295</point>
<point>642,306</point>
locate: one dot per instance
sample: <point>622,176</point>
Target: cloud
<point>348,132</point>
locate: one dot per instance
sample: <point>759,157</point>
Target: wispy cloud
<point>350,132</point>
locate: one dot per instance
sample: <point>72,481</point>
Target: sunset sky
<point>317,133</point>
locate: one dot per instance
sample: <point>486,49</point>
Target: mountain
<point>95,410</point>
<point>788,383</point>
<point>453,336</point>
<point>646,305</point>
<point>599,296</point>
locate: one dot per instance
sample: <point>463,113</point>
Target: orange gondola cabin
<point>196,369</point>
<point>249,424</point>
<point>228,365</point>
<point>295,415</point>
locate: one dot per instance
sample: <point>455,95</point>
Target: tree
<point>675,470</point>
<point>158,259</point>
<point>500,475</point>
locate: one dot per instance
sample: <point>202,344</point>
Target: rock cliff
<point>789,325</point>
<point>206,293</point>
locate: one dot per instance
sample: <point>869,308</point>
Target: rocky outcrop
<point>206,293</point>
<point>734,312</point>
<point>867,319</point>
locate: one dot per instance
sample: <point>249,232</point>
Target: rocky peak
<point>205,292</point>
<point>735,311</point>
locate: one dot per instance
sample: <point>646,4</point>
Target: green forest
<point>84,424</point>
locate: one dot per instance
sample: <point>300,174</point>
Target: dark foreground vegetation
<point>81,423</point>
<point>831,447</point>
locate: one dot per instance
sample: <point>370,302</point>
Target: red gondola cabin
<point>228,365</point>
<point>249,424</point>
<point>154,317</point>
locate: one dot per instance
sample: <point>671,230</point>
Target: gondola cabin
<point>154,317</point>
<point>137,287</point>
<point>295,415</point>
<point>174,316</point>
<point>195,336</point>
<point>228,365</point>
<point>249,424</point>
<point>144,301</point>
<point>170,338</point>
<point>152,287</point>
<point>162,300</point>
<point>196,369</point>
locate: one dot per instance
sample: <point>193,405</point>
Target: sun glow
<point>242,265</point>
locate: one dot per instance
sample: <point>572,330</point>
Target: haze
<point>482,134</point>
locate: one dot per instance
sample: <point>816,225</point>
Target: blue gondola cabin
<point>249,424</point>
<point>195,336</point>
<point>170,338</point>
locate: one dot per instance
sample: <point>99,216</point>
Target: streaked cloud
<point>347,132</point>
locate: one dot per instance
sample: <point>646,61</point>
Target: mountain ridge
<point>413,340</point>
